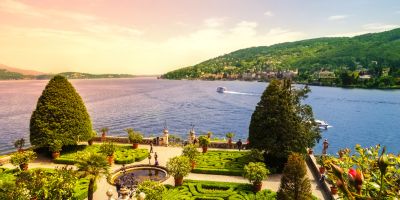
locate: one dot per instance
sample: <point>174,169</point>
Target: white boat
<point>221,89</point>
<point>322,124</point>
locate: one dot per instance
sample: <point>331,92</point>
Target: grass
<point>222,162</point>
<point>124,154</point>
<point>210,190</point>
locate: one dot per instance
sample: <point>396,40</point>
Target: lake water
<point>367,117</point>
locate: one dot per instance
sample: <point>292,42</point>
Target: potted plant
<point>256,172</point>
<point>334,189</point>
<point>108,149</point>
<point>321,163</point>
<point>204,142</point>
<point>135,137</point>
<point>310,151</point>
<point>104,131</point>
<point>22,159</point>
<point>90,141</point>
<point>230,135</point>
<point>209,134</point>
<point>178,167</point>
<point>55,147</point>
<point>191,152</point>
<point>19,144</point>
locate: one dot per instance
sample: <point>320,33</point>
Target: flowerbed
<point>124,154</point>
<point>209,190</point>
<point>222,163</point>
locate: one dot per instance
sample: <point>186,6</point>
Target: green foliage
<point>280,124</point>
<point>294,183</point>
<point>365,174</point>
<point>191,152</point>
<point>210,190</point>
<point>204,141</point>
<point>153,190</point>
<point>124,154</point>
<point>55,145</point>
<point>108,148</point>
<point>7,75</point>
<point>23,157</point>
<point>104,130</point>
<point>134,136</point>
<point>60,114</point>
<point>255,172</point>
<point>230,135</point>
<point>179,166</point>
<point>222,162</point>
<point>19,144</point>
<point>309,56</point>
<point>92,166</point>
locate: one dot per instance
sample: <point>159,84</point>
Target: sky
<point>145,37</point>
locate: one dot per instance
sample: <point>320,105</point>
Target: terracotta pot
<point>310,151</point>
<point>334,190</point>
<point>103,137</point>
<point>321,170</point>
<point>257,186</point>
<point>110,159</point>
<point>90,142</point>
<point>193,165</point>
<point>55,155</point>
<point>135,145</point>
<point>24,166</point>
<point>178,181</point>
<point>205,148</point>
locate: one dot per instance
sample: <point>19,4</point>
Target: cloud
<point>269,13</point>
<point>379,26</point>
<point>15,7</point>
<point>214,22</point>
<point>337,17</point>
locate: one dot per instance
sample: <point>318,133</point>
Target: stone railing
<point>314,167</point>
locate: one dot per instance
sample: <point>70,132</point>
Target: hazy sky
<point>153,37</point>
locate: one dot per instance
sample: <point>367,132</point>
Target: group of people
<point>155,156</point>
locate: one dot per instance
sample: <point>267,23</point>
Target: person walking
<point>149,157</point>
<point>239,144</point>
<point>151,147</point>
<point>155,156</point>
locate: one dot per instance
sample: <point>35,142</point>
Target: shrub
<point>178,166</point>
<point>294,183</point>
<point>24,157</point>
<point>153,190</point>
<point>107,148</point>
<point>256,172</point>
<point>204,141</point>
<point>230,135</point>
<point>134,136</point>
<point>191,152</point>
<point>60,114</point>
<point>55,145</point>
<point>222,162</point>
<point>19,144</point>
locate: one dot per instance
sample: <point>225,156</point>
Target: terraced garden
<point>222,162</point>
<point>124,154</point>
<point>209,190</point>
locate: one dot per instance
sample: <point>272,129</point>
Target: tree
<point>60,114</point>
<point>256,172</point>
<point>280,124</point>
<point>191,152</point>
<point>294,183</point>
<point>93,166</point>
<point>178,167</point>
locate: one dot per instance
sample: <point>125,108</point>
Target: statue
<point>192,135</point>
<point>165,137</point>
<point>325,145</point>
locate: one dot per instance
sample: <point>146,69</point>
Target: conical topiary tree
<point>60,114</point>
<point>294,183</point>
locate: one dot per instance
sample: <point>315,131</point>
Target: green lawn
<point>209,190</point>
<point>222,162</point>
<point>124,154</point>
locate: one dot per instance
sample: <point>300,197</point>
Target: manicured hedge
<point>222,162</point>
<point>124,154</point>
<point>209,190</point>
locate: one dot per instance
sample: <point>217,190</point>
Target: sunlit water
<point>360,116</point>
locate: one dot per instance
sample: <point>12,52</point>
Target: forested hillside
<point>374,57</point>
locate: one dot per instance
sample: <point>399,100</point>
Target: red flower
<point>352,174</point>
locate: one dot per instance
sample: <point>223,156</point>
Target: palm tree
<point>93,166</point>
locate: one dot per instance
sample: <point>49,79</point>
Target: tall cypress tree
<point>60,114</point>
<point>294,183</point>
<point>280,124</point>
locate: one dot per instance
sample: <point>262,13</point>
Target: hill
<point>21,71</point>
<point>370,60</point>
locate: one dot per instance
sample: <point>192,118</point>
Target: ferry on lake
<point>322,124</point>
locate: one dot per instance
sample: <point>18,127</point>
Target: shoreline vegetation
<point>367,61</point>
<point>8,75</point>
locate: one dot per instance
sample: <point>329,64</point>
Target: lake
<point>357,116</point>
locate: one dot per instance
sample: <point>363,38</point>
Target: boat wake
<point>241,93</point>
